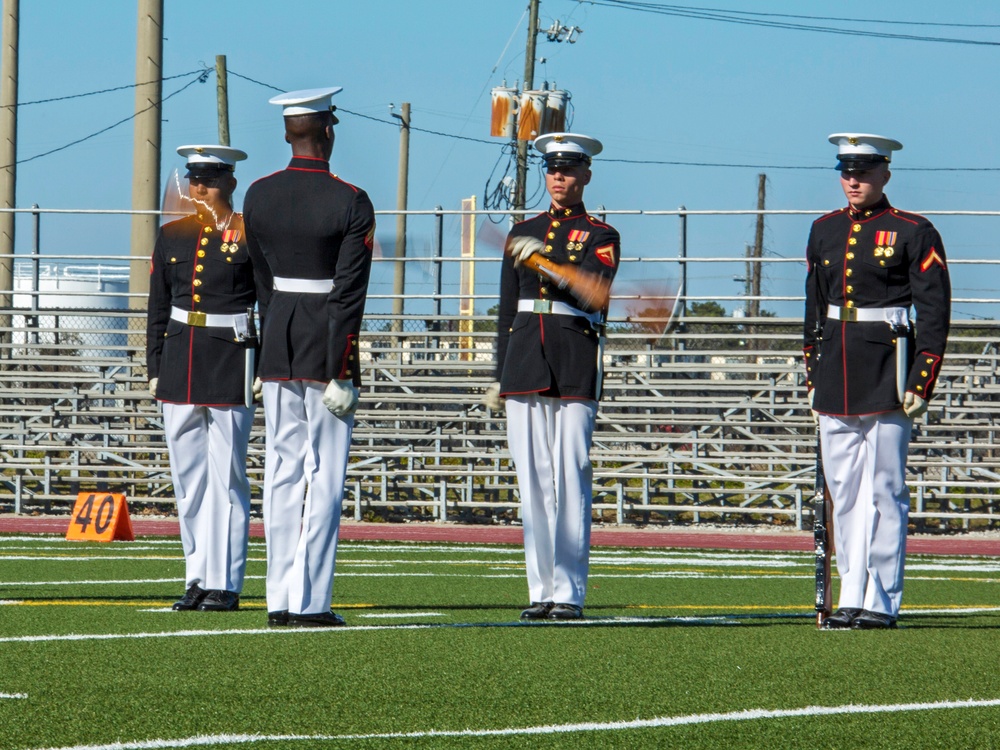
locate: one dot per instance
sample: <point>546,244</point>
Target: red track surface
<point>600,537</point>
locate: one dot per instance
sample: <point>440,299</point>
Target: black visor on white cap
<point>860,162</point>
<point>567,149</point>
<point>859,152</point>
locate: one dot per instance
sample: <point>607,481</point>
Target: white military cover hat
<point>567,149</point>
<point>857,152</point>
<point>307,101</point>
<point>212,158</point>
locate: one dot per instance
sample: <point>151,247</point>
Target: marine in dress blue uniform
<point>198,346</point>
<point>871,370</point>
<point>548,372</point>
<point>311,235</point>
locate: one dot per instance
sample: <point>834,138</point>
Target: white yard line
<point>389,615</point>
<point>281,631</point>
<point>615,726</point>
<point>107,582</point>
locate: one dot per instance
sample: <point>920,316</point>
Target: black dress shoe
<point>220,601</point>
<point>841,619</point>
<point>565,612</point>
<point>537,611</point>
<point>277,619</point>
<point>869,620</point>
<point>318,620</point>
<point>191,599</point>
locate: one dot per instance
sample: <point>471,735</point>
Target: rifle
<point>822,539</point>
<point>822,514</point>
<point>592,289</point>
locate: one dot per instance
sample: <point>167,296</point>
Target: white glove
<point>491,399</point>
<point>152,387</point>
<point>913,405</point>
<point>815,414</point>
<point>522,248</point>
<point>341,397</point>
<point>258,390</point>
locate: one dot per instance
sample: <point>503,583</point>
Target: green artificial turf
<point>433,645</point>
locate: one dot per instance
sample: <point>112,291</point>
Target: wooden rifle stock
<point>591,289</point>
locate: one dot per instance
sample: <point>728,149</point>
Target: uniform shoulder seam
<point>355,188</point>
<point>838,212</point>
<point>909,216</point>
<point>261,179</point>
<point>176,221</point>
<point>533,218</point>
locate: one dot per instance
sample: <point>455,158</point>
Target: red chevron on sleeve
<point>931,259</point>
<point>606,255</point>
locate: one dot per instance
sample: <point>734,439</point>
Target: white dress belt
<point>303,286</point>
<point>896,316</point>
<point>554,307</point>
<point>208,320</point>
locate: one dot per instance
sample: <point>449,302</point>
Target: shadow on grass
<point>602,616</point>
<point>949,621</point>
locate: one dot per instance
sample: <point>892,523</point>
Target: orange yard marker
<point>100,517</point>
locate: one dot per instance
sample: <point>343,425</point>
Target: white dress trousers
<point>306,458</point>
<point>549,440</point>
<point>208,465</point>
<point>864,461</point>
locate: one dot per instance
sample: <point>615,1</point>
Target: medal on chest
<point>230,240</point>
<point>884,242</point>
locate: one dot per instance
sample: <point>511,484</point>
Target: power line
<point>740,18</point>
<point>729,165</point>
<point>202,77</point>
<point>421,130</point>
<point>254,80</point>
<point>375,119</point>
<point>829,18</point>
<point>638,161</point>
<point>101,91</point>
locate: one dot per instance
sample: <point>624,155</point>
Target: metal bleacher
<point>684,435</point>
<point>703,419</point>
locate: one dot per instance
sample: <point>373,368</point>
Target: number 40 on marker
<point>100,517</point>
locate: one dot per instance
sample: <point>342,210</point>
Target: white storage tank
<point>75,290</point>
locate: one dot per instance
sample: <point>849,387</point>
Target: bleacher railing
<point>703,420</point>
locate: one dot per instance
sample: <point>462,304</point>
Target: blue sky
<point>651,87</point>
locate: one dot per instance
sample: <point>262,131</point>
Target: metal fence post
<point>439,264</point>
<point>682,255</point>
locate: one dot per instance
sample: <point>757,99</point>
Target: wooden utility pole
<point>8,155</point>
<point>222,93</point>
<point>146,144</point>
<point>529,82</point>
<point>399,278</point>
<point>747,282</point>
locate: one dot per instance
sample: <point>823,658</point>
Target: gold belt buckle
<point>543,306</point>
<point>849,314</point>
<point>197,319</point>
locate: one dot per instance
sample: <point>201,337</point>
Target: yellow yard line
<point>797,607</point>
<point>112,603</point>
<point>726,607</point>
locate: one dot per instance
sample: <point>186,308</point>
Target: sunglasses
<point>210,181</point>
